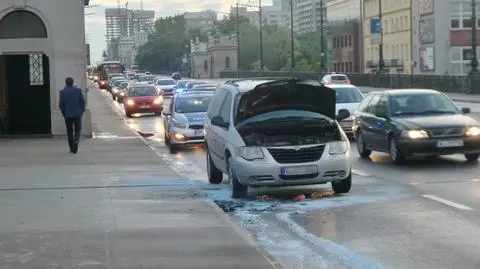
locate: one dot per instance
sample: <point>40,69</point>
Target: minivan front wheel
<point>215,176</point>
<point>342,186</point>
<point>239,191</point>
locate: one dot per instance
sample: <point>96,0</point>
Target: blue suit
<point>72,105</point>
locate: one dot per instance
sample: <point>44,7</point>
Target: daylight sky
<point>95,23</point>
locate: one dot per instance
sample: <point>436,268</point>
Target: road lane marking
<point>360,173</point>
<point>447,202</point>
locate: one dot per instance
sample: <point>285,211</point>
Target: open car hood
<point>288,94</point>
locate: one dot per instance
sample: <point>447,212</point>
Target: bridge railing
<point>445,83</point>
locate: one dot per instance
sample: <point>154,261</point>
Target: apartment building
<point>277,14</point>
<point>345,39</point>
<point>307,15</point>
<point>396,32</point>
<point>204,20</point>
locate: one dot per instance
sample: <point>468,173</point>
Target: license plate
<point>145,106</point>
<point>199,132</point>
<point>450,143</point>
<point>298,170</point>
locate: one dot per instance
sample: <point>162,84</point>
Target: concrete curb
<point>238,229</point>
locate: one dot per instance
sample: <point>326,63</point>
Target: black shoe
<point>75,148</point>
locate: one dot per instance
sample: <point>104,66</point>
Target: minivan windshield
<point>421,104</point>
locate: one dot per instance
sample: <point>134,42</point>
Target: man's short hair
<point>69,81</point>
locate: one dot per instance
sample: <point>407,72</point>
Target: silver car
<point>266,133</point>
<point>184,119</point>
<point>165,86</point>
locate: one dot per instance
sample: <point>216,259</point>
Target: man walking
<point>72,105</point>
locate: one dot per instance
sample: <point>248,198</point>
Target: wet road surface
<point>423,215</point>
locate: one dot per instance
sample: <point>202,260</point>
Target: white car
<point>333,78</point>
<point>347,97</point>
<point>279,133</point>
<point>165,86</point>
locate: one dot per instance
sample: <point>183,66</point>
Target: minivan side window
<point>226,109</point>
<point>373,104</point>
<point>217,101</point>
<point>363,105</point>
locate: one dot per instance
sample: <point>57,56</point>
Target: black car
<point>176,76</point>
<point>414,122</point>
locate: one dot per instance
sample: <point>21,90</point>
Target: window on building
<point>407,22</point>
<point>460,59</point>
<point>335,43</point>
<point>350,41</point>
<point>461,16</point>
<point>36,69</point>
<point>401,24</point>
<point>392,23</point>
<point>345,42</point>
<point>341,42</point>
<point>205,65</point>
<point>227,62</point>
<point>385,28</point>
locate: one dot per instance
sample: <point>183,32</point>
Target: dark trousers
<point>74,129</point>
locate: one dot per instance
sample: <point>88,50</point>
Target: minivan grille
<point>195,126</point>
<point>302,155</point>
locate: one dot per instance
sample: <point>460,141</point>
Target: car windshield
<point>118,82</point>
<point>202,86</point>
<point>182,84</point>
<point>142,91</point>
<point>338,77</point>
<point>192,104</point>
<point>145,78</point>
<point>348,95</point>
<point>123,85</point>
<point>421,104</point>
<point>165,82</point>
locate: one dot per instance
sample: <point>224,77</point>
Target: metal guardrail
<point>444,83</point>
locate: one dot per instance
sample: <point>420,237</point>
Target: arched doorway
<point>24,78</point>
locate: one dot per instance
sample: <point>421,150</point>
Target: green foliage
<point>169,42</point>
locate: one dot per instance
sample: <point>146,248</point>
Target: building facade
<point>396,34</point>
<point>204,20</point>
<point>118,22</point>
<point>345,36</point>
<point>143,21</point>
<point>217,55</point>
<point>37,53</point>
<point>308,16</point>
<point>442,38</point>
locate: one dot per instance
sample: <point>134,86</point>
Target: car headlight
<point>337,147</point>
<point>130,102</point>
<point>415,134</point>
<point>115,90</point>
<point>250,153</point>
<point>178,124</point>
<point>157,101</point>
<point>122,94</point>
<point>473,131</point>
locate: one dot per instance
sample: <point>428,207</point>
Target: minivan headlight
<point>337,147</point>
<point>473,131</point>
<point>250,153</point>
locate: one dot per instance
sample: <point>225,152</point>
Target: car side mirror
<point>218,121</point>
<point>166,113</point>
<point>466,110</point>
<point>343,114</point>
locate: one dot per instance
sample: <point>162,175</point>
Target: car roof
<point>396,92</point>
<point>195,93</point>
<point>333,86</point>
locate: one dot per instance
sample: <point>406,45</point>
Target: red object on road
<point>300,197</point>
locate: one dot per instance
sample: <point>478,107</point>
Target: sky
<point>95,17</point>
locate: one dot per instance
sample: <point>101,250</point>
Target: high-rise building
<point>204,20</point>
<point>118,22</point>
<point>143,20</point>
<point>307,15</point>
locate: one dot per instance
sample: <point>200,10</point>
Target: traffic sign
<point>375,26</point>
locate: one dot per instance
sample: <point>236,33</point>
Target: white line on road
<point>360,173</point>
<point>447,202</point>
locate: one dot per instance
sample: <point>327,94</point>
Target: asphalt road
<point>421,215</point>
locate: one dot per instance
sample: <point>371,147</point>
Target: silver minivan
<point>269,133</point>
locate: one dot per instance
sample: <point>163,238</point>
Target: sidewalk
<point>458,97</point>
<point>113,205</point>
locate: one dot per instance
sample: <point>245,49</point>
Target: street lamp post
<point>381,63</point>
<point>474,60</point>
<point>292,38</point>
<point>322,41</point>
<point>261,33</point>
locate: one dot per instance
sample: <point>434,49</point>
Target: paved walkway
<point>113,205</point>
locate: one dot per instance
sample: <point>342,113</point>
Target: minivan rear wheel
<point>342,186</point>
<point>239,191</point>
<point>215,176</point>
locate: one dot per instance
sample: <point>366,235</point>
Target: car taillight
<point>330,82</point>
<point>347,81</point>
